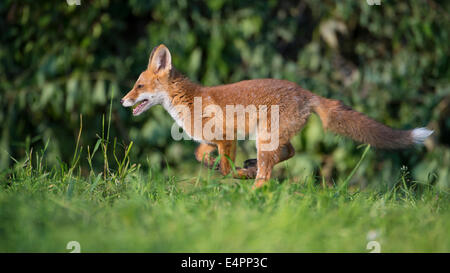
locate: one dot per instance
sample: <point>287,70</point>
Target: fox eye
<point>140,86</point>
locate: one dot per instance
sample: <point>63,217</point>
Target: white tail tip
<point>420,134</point>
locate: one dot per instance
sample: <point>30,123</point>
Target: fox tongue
<point>136,108</point>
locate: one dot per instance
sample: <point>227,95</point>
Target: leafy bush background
<point>389,61</point>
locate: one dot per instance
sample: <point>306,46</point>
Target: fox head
<point>151,88</point>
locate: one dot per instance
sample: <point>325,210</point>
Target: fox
<point>161,84</point>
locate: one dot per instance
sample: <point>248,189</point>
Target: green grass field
<point>131,210</point>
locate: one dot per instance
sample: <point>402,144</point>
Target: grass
<point>41,211</point>
<point>124,208</point>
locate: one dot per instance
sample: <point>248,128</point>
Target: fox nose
<point>121,101</point>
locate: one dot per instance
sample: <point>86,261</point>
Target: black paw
<point>249,163</point>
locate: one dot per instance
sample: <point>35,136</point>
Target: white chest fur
<point>181,114</point>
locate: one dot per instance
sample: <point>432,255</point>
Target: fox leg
<point>246,173</point>
<point>203,154</point>
<point>251,165</point>
<point>227,151</point>
<point>287,153</point>
<point>268,159</point>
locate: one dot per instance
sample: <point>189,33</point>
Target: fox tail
<point>343,120</point>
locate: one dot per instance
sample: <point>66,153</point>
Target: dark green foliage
<point>58,62</point>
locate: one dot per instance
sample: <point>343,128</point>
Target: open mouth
<point>140,107</point>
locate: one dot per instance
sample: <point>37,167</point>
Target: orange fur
<point>343,120</point>
<point>295,105</point>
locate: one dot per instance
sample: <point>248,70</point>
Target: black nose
<point>121,101</point>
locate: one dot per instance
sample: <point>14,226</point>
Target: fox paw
<point>245,173</point>
<point>259,183</point>
<point>210,162</point>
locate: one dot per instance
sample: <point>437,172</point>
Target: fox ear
<point>151,55</point>
<point>160,59</point>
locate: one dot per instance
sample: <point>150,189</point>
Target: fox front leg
<point>203,154</point>
<point>227,153</point>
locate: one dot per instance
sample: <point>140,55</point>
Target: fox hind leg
<point>246,173</point>
<point>268,159</point>
<point>250,169</point>
<point>288,152</point>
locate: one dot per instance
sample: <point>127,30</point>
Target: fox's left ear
<point>160,59</point>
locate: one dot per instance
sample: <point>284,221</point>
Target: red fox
<point>162,84</point>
